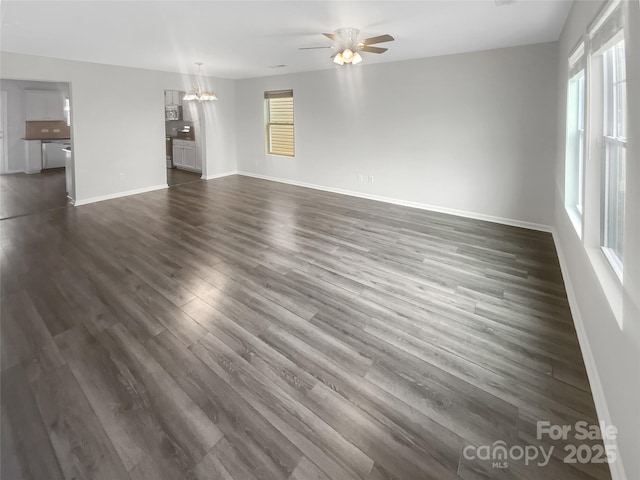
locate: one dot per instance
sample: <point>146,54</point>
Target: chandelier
<point>199,94</point>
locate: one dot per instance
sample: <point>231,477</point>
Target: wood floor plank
<point>465,410</point>
<point>183,420</point>
<point>258,443</point>
<point>373,438</point>
<point>113,394</point>
<point>245,329</point>
<point>256,389</point>
<point>306,470</point>
<point>26,451</point>
<point>79,440</point>
<point>435,441</point>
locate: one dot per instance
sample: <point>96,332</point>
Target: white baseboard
<point>219,175</point>
<point>602,410</point>
<point>111,196</point>
<point>9,172</point>
<point>405,203</point>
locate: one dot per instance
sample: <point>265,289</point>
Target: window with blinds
<point>278,109</point>
<point>608,122</point>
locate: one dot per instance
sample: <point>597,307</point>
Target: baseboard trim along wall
<point>111,196</point>
<point>602,410</point>
<point>405,203</point>
<point>219,175</point>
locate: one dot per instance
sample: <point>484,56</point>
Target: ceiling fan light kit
<point>349,48</point>
<point>199,94</point>
<point>347,56</point>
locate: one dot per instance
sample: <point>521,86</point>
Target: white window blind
<point>577,60</point>
<point>279,122</point>
<point>605,27</point>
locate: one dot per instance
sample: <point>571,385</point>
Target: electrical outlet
<point>361,177</point>
<point>370,178</point>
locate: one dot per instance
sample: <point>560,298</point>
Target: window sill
<point>609,281</point>
<point>279,155</point>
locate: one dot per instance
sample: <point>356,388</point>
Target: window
<point>575,142</point>
<point>278,112</point>
<point>608,118</point>
<point>615,143</point>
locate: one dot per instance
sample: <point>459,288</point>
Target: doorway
<point>182,139</point>
<point>36,171</point>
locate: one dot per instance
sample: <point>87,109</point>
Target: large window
<point>615,143</point>
<point>574,156</point>
<point>609,120</point>
<point>278,112</point>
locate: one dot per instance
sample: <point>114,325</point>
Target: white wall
<point>16,118</point>
<point>471,132</point>
<point>118,121</point>
<point>612,352</point>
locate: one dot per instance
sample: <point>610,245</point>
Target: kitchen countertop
<point>49,139</point>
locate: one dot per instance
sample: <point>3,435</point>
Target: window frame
<point>576,136</point>
<point>612,140</point>
<point>270,95</point>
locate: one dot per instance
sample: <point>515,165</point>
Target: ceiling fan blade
<point>370,49</point>
<point>312,48</point>
<point>379,39</point>
<point>332,36</point>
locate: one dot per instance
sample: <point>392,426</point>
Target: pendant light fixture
<point>199,94</point>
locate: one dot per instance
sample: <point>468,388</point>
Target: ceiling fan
<point>348,47</point>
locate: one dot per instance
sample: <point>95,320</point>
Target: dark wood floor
<point>244,329</point>
<point>176,176</point>
<point>22,194</point>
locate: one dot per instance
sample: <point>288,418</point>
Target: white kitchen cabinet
<point>186,155</point>
<point>44,105</point>
<point>33,156</point>
<point>173,97</point>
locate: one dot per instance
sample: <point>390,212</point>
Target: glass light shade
<point>339,59</point>
<point>357,58</point>
<point>189,97</point>
<point>347,54</point>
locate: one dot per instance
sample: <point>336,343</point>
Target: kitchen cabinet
<point>33,156</point>
<point>44,105</point>
<point>173,97</point>
<point>186,155</point>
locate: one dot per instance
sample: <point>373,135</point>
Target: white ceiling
<point>240,39</point>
